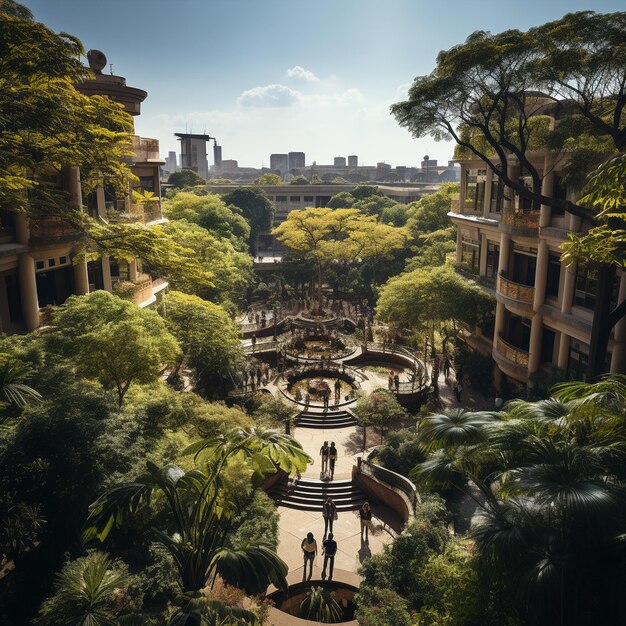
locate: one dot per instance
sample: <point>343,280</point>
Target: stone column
<point>563,351</point>
<point>534,351</point>
<point>107,283</point>
<point>569,285</point>
<point>487,201</point>
<point>541,274</point>
<point>618,358</point>
<point>483,255</point>
<point>28,291</point>
<point>505,253</point>
<point>101,202</point>
<point>22,233</point>
<point>498,328</point>
<point>547,189</point>
<point>132,271</point>
<point>81,278</point>
<point>459,243</point>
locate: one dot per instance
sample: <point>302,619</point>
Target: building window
<point>497,196</point>
<point>526,204</point>
<point>559,193</point>
<point>281,198</point>
<point>524,265</point>
<point>470,254</point>
<point>308,198</point>
<point>475,189</point>
<point>554,276</point>
<point>578,360</point>
<point>493,259</point>
<point>294,199</point>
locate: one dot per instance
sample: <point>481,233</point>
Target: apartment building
<point>544,309</point>
<point>37,257</point>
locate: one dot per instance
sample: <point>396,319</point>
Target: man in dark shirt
<point>329,550</point>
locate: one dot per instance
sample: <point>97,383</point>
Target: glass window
<point>475,189</point>
<point>308,198</point>
<point>587,287</point>
<point>493,260</point>
<point>497,195</point>
<point>554,276</point>
<point>560,193</point>
<point>470,254</point>
<point>294,198</point>
<point>281,198</point>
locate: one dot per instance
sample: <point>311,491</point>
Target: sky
<point>266,76</point>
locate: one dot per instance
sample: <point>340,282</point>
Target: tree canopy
<point>268,179</point>
<point>256,207</point>
<point>185,178</point>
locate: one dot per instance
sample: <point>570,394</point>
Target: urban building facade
<point>297,160</point>
<point>544,309</point>
<point>38,264</point>
<point>193,153</point>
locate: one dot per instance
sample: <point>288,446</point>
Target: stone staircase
<point>340,418</point>
<point>309,494</point>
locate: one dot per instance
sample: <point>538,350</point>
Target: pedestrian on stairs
<point>365,514</point>
<point>329,513</point>
<point>309,551</point>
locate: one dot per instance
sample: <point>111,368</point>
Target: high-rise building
<point>353,160</point>
<point>297,160</point>
<point>279,162</point>
<point>170,162</point>
<point>340,162</point>
<point>193,154</point>
<point>217,156</point>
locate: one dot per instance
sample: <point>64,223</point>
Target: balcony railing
<point>145,149</point>
<point>520,222</point>
<point>515,291</point>
<point>50,228</point>
<point>511,353</point>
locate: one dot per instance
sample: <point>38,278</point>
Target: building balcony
<point>146,150</point>
<point>455,205</point>
<point>50,229</point>
<point>519,222</point>
<point>516,291</point>
<point>511,353</point>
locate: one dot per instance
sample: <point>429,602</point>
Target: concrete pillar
<point>22,233</point>
<point>132,271</point>
<point>101,202</point>
<point>498,328</point>
<point>487,204</point>
<point>563,357</point>
<point>483,255</point>
<point>73,187</point>
<point>618,358</point>
<point>541,274</point>
<point>107,283</point>
<point>81,278</point>
<point>462,191</point>
<point>534,351</point>
<point>505,253</point>
<point>28,291</point>
<point>459,243</point>
<point>512,171</point>
<point>569,285</point>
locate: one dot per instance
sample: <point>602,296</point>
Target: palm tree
<point>186,512</point>
<point>13,390</point>
<point>90,591</point>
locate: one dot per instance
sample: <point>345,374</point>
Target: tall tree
<point>484,95</point>
<point>256,207</point>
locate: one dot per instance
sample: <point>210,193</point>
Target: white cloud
<point>299,72</point>
<point>269,96</point>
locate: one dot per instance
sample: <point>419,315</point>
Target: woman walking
<point>365,513</point>
<point>329,513</point>
<point>309,552</point>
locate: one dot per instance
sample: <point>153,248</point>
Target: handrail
<point>511,352</point>
<point>389,477</point>
<point>515,290</point>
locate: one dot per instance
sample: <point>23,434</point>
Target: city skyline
<point>269,78</point>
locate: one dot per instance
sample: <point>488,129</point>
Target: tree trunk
<point>601,327</point>
<point>364,437</point>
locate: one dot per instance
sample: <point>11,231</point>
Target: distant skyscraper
<point>217,156</point>
<point>171,161</point>
<point>297,160</point>
<point>279,162</point>
<point>340,161</point>
<point>193,155</point>
<point>353,160</point>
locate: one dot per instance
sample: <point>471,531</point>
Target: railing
<point>390,478</point>
<point>51,227</point>
<point>511,353</point>
<point>520,221</point>
<point>515,291</point>
<point>261,346</point>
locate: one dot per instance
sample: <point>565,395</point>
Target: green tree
<point>268,179</point>
<point>92,590</point>
<point>13,389</point>
<point>330,235</point>
<point>299,180</point>
<point>185,178</point>
<point>187,513</point>
<point>379,409</point>
<point>112,340</point>
<point>341,200</point>
<point>211,213</point>
<point>208,337</point>
<point>256,208</point>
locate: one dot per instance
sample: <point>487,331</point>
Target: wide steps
<point>310,495</point>
<point>330,419</point>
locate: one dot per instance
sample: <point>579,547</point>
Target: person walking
<point>365,514</point>
<point>390,380</point>
<point>458,390</point>
<point>309,552</point>
<point>329,513</point>
<point>324,452</point>
<point>337,391</point>
<point>253,342</point>
<point>329,549</point>
<point>332,458</point>
<point>396,382</point>
<point>446,368</point>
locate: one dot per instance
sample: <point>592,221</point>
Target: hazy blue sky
<point>269,76</point>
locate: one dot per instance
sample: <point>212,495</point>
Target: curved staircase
<point>341,418</point>
<point>309,494</point>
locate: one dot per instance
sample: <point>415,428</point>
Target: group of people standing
<point>329,545</point>
<point>253,379</point>
<point>329,458</point>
